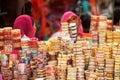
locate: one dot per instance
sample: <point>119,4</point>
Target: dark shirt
<point>27,9</point>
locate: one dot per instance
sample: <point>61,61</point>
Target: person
<point>86,20</point>
<point>25,24</point>
<point>27,8</point>
<point>70,17</point>
<point>94,8</point>
<point>40,12</point>
<point>116,19</point>
<point>84,6</point>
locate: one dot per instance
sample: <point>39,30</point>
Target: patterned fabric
<point>69,14</point>
<point>24,23</point>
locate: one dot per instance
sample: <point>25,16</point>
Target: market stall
<point>93,57</point>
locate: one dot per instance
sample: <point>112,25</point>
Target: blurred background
<point>10,9</point>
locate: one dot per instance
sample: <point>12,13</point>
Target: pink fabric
<point>66,16</point>
<point>14,52</point>
<point>1,77</point>
<point>24,23</point>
